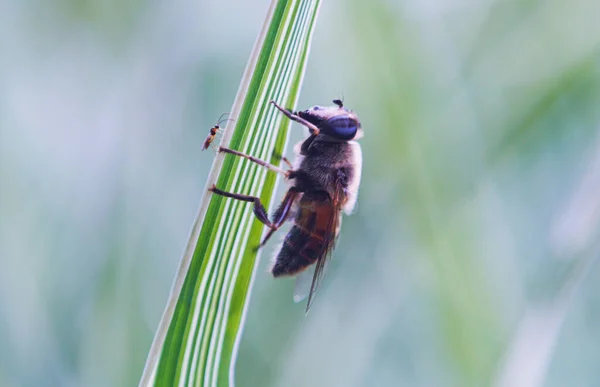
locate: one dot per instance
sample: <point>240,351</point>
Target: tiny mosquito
<point>323,182</point>
<point>212,133</point>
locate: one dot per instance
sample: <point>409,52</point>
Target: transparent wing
<point>303,283</point>
<point>329,245</point>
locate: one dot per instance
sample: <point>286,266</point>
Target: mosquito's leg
<point>294,117</point>
<point>255,160</point>
<point>217,140</point>
<point>214,147</point>
<point>259,209</point>
<point>282,213</point>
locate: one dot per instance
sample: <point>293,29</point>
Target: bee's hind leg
<point>259,209</point>
<point>255,160</point>
<point>282,213</point>
<point>279,217</point>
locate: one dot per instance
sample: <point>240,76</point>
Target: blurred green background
<point>469,261</point>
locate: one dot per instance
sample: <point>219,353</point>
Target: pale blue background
<point>465,265</point>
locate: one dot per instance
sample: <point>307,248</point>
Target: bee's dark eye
<point>342,127</point>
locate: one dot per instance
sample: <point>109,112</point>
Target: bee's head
<point>334,121</point>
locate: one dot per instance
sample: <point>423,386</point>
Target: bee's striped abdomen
<point>308,239</point>
<point>294,255</point>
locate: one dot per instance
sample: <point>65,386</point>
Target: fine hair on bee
<point>322,182</point>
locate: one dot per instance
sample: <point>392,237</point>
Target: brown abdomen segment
<point>309,239</point>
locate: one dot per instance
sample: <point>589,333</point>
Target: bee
<point>212,133</point>
<point>323,182</point>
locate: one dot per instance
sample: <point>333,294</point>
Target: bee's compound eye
<point>342,127</point>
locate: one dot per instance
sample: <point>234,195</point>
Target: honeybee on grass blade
<point>212,133</point>
<point>322,183</point>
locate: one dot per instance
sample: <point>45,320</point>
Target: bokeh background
<point>470,259</point>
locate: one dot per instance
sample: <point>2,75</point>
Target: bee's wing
<point>330,237</point>
<point>303,282</point>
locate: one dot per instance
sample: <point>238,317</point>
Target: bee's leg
<point>259,209</point>
<point>255,160</point>
<point>282,212</point>
<point>294,117</point>
<point>284,159</point>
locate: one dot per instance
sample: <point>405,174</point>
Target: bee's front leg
<point>294,117</point>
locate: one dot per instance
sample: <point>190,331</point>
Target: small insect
<point>213,131</point>
<point>322,183</point>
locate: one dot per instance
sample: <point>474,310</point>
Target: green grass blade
<point>196,341</point>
